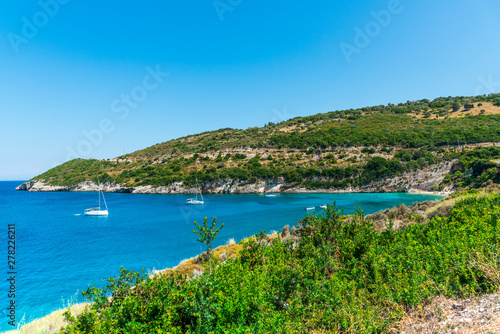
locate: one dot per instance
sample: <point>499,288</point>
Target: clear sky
<point>101,78</point>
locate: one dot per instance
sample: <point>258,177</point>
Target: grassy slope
<point>316,142</point>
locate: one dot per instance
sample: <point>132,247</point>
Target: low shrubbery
<point>476,168</point>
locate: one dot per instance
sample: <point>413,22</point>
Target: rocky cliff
<point>414,181</point>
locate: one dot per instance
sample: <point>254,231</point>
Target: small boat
<point>196,201</point>
<point>269,193</point>
<point>323,206</point>
<point>309,208</point>
<point>97,211</point>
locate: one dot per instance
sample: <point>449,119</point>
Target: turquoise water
<point>59,254</point>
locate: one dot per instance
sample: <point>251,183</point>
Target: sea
<point>59,251</point>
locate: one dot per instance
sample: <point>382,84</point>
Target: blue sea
<point>59,253</point>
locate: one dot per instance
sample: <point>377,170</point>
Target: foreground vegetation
<point>332,150</point>
<point>334,274</point>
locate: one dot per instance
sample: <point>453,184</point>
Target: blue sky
<point>76,76</point>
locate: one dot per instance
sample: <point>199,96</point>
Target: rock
<point>22,186</point>
<point>201,258</point>
<point>223,257</point>
<point>197,273</point>
<point>197,260</point>
<point>422,179</point>
<point>293,230</point>
<point>457,306</point>
<point>487,183</point>
<point>285,232</point>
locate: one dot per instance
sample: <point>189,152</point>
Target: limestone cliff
<point>414,181</point>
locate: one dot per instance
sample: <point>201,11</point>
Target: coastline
<point>89,186</point>
<point>189,266</point>
<point>417,181</point>
<point>193,266</point>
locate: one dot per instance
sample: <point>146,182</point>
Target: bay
<point>59,251</point>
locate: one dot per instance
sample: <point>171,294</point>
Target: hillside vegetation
<point>334,274</point>
<point>332,150</point>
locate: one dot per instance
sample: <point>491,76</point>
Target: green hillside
<point>334,149</point>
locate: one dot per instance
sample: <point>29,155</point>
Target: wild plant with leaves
<point>208,235</point>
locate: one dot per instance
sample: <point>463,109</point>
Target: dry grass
<point>447,315</point>
<point>195,265</point>
<point>49,324</point>
<point>489,265</point>
<point>447,203</point>
<point>488,107</point>
<point>420,213</point>
<point>289,128</point>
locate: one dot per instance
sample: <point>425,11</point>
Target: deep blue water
<point>59,253</point>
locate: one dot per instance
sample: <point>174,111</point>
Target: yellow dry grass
<point>49,324</point>
<point>189,266</point>
<point>450,202</point>
<point>488,107</point>
<point>289,128</point>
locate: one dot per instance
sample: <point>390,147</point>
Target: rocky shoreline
<point>417,181</point>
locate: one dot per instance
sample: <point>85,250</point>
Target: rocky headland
<point>420,180</point>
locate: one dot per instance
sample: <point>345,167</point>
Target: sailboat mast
<point>196,191</point>
<point>99,193</point>
<point>201,194</point>
<point>104,199</point>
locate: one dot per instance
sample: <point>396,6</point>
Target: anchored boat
<point>97,211</point>
<point>196,201</point>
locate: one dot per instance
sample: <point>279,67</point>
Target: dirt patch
<point>448,315</point>
<point>488,107</point>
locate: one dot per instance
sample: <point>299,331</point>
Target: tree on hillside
<point>207,235</point>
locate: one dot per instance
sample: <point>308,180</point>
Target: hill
<point>336,150</point>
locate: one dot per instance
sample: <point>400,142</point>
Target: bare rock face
<point>40,186</point>
<point>285,232</point>
<point>223,257</point>
<point>422,179</point>
<point>22,186</point>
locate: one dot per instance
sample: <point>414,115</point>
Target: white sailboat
<point>196,201</point>
<point>98,211</point>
